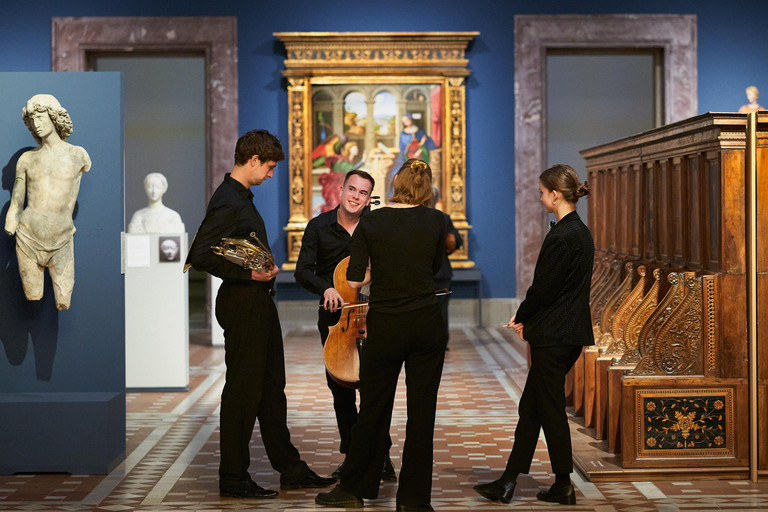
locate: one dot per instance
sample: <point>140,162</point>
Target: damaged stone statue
<point>49,178</point>
<point>156,218</point>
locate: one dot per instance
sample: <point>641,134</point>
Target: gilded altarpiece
<point>369,101</point>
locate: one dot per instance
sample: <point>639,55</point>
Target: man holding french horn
<point>255,379</point>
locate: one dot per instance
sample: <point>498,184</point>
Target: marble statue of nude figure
<point>49,178</point>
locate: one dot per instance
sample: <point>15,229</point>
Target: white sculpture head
<point>752,94</point>
<point>45,103</point>
<point>155,186</point>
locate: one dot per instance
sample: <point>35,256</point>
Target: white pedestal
<point>217,333</point>
<point>156,315</point>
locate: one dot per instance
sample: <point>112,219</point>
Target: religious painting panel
<point>371,101</point>
<point>375,128</point>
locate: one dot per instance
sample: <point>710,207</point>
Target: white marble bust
<point>156,218</point>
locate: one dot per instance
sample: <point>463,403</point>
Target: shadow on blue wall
<point>23,321</point>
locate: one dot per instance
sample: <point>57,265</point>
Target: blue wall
<point>731,43</point>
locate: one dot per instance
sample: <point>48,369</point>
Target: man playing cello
<point>326,242</point>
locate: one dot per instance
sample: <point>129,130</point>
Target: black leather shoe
<point>337,474</point>
<point>415,508</point>
<point>498,490</point>
<point>388,471</point>
<point>307,480</point>
<point>246,490</point>
<point>562,495</point>
<point>338,498</point>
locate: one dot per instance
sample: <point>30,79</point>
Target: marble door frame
<point>674,35</point>
<point>74,40</point>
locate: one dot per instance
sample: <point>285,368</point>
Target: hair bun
<point>418,165</point>
<point>582,190</point>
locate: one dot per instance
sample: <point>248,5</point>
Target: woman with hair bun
<point>398,249</point>
<point>554,319</point>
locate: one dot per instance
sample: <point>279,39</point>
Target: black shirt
<point>406,247</point>
<point>556,306</point>
<point>324,244</point>
<point>231,214</point>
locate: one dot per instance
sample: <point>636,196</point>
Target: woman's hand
<point>516,326</point>
<point>519,330</point>
<point>365,281</point>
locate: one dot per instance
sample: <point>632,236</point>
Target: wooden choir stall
<point>675,386</point>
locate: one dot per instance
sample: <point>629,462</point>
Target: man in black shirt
<point>453,241</point>
<point>253,341</point>
<point>325,243</point>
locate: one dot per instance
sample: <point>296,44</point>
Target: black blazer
<point>556,307</point>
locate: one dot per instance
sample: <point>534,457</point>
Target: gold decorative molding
<point>710,290</point>
<point>298,127</point>
<point>375,49</point>
<point>458,147</point>
<point>384,58</point>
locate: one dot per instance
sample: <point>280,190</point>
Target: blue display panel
<point>71,363</point>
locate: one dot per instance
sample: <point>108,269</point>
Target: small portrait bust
<point>752,95</point>
<point>169,249</point>
<point>156,218</point>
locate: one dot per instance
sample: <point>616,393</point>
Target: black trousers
<point>417,339</point>
<point>255,382</point>
<point>443,301</point>
<point>542,405</point>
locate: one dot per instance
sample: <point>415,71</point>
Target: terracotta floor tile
<point>176,444</point>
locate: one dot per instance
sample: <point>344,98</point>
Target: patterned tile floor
<point>172,445</point>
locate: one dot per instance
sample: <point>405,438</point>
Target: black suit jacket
<point>556,307</point>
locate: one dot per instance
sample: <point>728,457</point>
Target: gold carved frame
<point>333,58</point>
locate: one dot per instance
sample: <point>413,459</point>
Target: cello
<point>344,344</point>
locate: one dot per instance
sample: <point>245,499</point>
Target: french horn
<point>249,254</point>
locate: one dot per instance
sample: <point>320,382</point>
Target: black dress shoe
<point>415,508</point>
<point>388,471</point>
<point>337,474</point>
<point>338,498</point>
<point>498,490</point>
<point>246,490</point>
<point>307,480</point>
<point>562,495</point>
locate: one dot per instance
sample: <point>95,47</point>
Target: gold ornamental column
<point>457,165</point>
<point>300,165</point>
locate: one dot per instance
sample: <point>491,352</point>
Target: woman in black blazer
<point>554,319</point>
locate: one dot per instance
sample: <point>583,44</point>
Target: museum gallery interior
<point>119,121</point>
